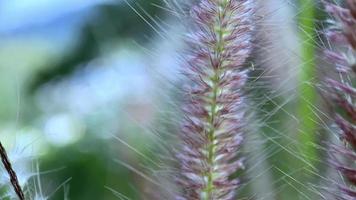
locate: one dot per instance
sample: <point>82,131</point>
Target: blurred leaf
<point>112,22</point>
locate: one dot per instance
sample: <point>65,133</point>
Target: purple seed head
<point>212,128</point>
<point>342,93</point>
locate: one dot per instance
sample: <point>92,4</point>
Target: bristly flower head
<point>212,128</point>
<point>343,93</point>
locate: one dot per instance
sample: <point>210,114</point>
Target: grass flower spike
<point>342,92</point>
<point>212,129</point>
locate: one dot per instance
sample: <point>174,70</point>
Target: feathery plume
<point>212,128</point>
<point>342,92</point>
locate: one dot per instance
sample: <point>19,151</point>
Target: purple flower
<point>213,124</point>
<point>342,93</point>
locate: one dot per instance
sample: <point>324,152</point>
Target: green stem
<point>211,147</point>
<point>215,88</point>
<point>307,92</point>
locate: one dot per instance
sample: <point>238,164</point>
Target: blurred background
<point>89,88</point>
<point>74,74</point>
